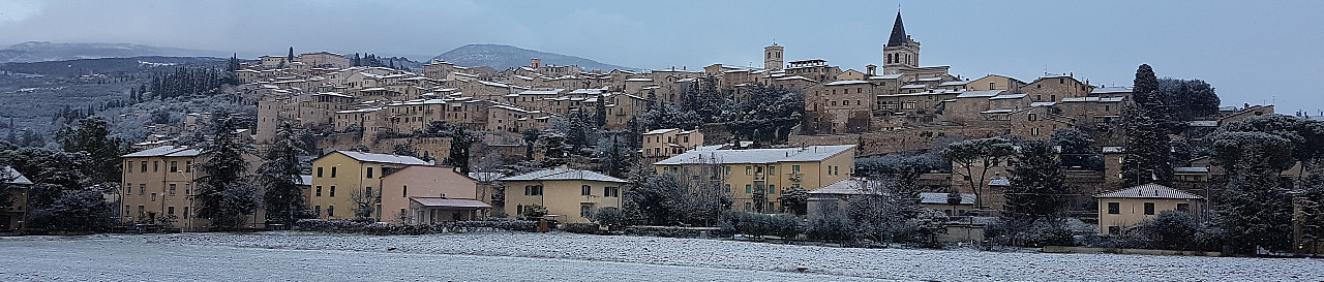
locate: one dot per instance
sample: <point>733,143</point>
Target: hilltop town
<point>798,149</point>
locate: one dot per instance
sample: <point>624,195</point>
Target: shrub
<point>830,227</point>
<point>378,228</point>
<point>667,231</point>
<point>582,228</point>
<point>612,218</point>
<point>758,225</point>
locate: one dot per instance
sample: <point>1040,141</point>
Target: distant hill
<point>71,68</point>
<point>38,51</point>
<point>504,57</point>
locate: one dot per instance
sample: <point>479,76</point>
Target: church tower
<point>900,52</point>
<point>772,57</point>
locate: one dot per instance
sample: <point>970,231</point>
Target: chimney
<point>535,63</point>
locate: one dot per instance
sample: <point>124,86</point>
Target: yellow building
<point>570,195</point>
<point>755,178</point>
<point>344,181</point>
<point>158,187</point>
<point>1119,210</point>
<point>663,143</point>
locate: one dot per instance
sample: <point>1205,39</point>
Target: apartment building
<point>347,184</point>
<point>159,188</point>
<point>663,143</point>
<point>570,195</point>
<point>755,178</point>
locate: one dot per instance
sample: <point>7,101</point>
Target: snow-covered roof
<point>542,92</point>
<point>639,79</point>
<point>1092,99</point>
<point>810,153</point>
<point>846,82</point>
<point>383,158</point>
<point>1191,169</point>
<point>13,177</point>
<point>165,151</point>
<point>1113,149</point>
<point>794,77</point>
<point>886,76</point>
<point>979,94</point>
<point>1008,96</point>
<point>562,173</point>
<point>433,202</point>
<point>1202,123</point>
<point>999,181</point>
<point>843,187</point>
<point>1149,191</point>
<point>1110,90</point>
<point>305,180</point>
<point>1042,104</point>
<point>333,94</point>
<point>364,110</point>
<point>914,86</point>
<point>954,83</point>
<point>589,91</point>
<point>941,198</point>
<point>660,131</point>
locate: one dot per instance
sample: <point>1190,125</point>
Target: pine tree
<point>600,116</point>
<point>979,153</point>
<point>1147,124</point>
<point>1255,206</point>
<point>1037,184</point>
<point>461,140</point>
<point>279,176</point>
<point>91,136</point>
<point>224,195</point>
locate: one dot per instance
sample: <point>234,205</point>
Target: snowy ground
<point>570,257</point>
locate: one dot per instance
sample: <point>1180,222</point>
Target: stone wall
<point>903,140</point>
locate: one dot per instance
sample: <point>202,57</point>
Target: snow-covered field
<point>571,257</point>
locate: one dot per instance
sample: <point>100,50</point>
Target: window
<point>749,189</point>
<point>533,190</point>
<point>611,191</point>
<point>319,172</point>
<point>331,211</point>
<point>1034,117</point>
<point>333,191</point>
<point>369,174</point>
<point>772,189</point>
<point>586,210</point>
<point>142,211</point>
<point>153,196</point>
<point>172,189</point>
<point>156,166</point>
<point>333,172</point>
<point>170,211</point>
<point>188,166</point>
<point>748,170</point>
<point>186,189</point>
<point>317,210</point>
<point>1183,207</point>
<point>728,187</point>
<point>128,188</point>
<point>586,190</point>
<point>317,192</point>
<point>795,168</point>
<point>185,212</point>
<point>142,188</point>
<point>405,191</point>
<point>369,193</point>
<point>1114,208</point>
<point>128,168</point>
<point>174,166</point>
<point>1034,131</point>
<point>142,166</point>
<point>749,206</point>
<point>1149,208</point>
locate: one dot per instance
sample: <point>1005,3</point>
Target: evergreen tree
<point>530,138</point>
<point>279,176</point>
<point>91,136</point>
<point>290,57</point>
<point>1255,207</point>
<point>600,116</point>
<point>224,195</point>
<point>461,140</point>
<point>1037,184</point>
<point>983,154</point>
<point>1147,124</point>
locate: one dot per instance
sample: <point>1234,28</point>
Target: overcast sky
<point>1251,51</point>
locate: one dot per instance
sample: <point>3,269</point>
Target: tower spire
<point>898,37</point>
